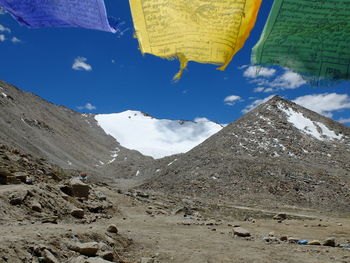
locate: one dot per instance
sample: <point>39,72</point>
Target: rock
<point>330,242</point>
<point>108,255</point>
<point>51,220</point>
<point>101,196</point>
<point>241,232</point>
<point>4,175</point>
<point>284,238</point>
<point>77,213</point>
<point>22,176</point>
<point>314,243</point>
<point>17,197</point>
<point>271,239</point>
<point>49,257</point>
<point>13,180</point>
<point>112,229</point>
<point>79,189</point>
<point>280,217</point>
<point>110,241</point>
<point>87,249</point>
<point>211,223</point>
<point>141,194</point>
<point>271,234</point>
<point>293,239</point>
<point>147,260</point>
<point>36,206</point>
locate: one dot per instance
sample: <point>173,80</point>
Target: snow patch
<point>153,137</point>
<point>313,128</point>
<point>3,95</point>
<point>111,161</point>
<point>137,173</point>
<point>172,162</point>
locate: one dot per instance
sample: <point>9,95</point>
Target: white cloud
<point>87,106</point>
<point>256,71</point>
<point>255,104</point>
<point>4,29</point>
<point>267,90</point>
<point>268,80</point>
<point>2,38</point>
<point>344,120</point>
<point>288,80</point>
<point>15,40</point>
<point>324,103</point>
<point>232,99</point>
<point>259,89</point>
<point>113,61</point>
<point>80,64</point>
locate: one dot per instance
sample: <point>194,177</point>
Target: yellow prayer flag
<point>205,31</point>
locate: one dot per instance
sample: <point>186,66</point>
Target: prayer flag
<point>308,37</point>
<point>209,31</point>
<point>59,13</point>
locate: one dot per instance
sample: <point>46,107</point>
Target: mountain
<point>110,146</point>
<point>154,137</point>
<point>278,154</point>
<point>64,137</point>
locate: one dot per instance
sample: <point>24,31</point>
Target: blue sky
<point>113,76</point>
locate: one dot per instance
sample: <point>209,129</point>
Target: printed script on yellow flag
<point>205,31</point>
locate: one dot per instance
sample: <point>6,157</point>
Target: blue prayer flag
<point>89,14</point>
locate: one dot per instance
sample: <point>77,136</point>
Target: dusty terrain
<point>153,229</point>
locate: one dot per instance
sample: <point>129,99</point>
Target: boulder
<point>108,255</point>
<point>35,206</point>
<point>280,216</point>
<point>77,213</point>
<point>112,229</point>
<point>49,257</point>
<point>17,197</point>
<point>87,249</point>
<point>270,239</point>
<point>241,232</point>
<point>22,176</point>
<point>79,189</point>
<point>284,238</point>
<point>13,180</point>
<point>141,194</point>
<point>293,239</point>
<point>329,242</point>
<point>4,175</point>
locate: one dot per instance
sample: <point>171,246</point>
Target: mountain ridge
<point>263,158</point>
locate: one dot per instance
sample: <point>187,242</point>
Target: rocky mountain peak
<point>278,150</point>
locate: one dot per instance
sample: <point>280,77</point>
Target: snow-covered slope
<point>305,125</point>
<point>153,137</point>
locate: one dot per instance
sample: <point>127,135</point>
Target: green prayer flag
<point>309,37</point>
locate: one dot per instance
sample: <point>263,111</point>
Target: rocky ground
<point>49,215</point>
<point>52,215</point>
